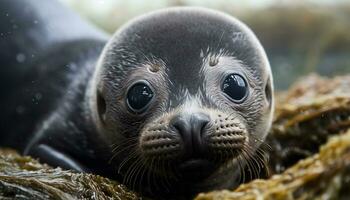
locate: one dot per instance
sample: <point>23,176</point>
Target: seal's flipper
<point>56,158</point>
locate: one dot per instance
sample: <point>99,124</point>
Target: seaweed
<point>22,177</point>
<point>314,109</point>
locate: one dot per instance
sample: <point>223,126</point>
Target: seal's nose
<point>191,128</point>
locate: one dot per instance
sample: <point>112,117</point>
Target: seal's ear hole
<point>101,106</point>
<point>268,92</point>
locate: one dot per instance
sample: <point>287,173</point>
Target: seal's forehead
<point>200,27</point>
<point>179,35</point>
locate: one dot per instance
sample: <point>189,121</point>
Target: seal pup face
<point>181,94</point>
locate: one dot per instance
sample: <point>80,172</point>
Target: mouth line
<point>195,169</point>
<point>195,164</point>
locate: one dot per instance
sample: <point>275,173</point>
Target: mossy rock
<point>311,111</point>
<point>25,178</point>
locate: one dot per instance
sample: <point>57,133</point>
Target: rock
<point>306,116</point>
<point>25,178</point>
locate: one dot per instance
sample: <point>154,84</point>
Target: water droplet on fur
<point>20,57</point>
<point>20,109</point>
<point>38,96</point>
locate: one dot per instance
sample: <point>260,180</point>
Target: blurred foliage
<point>303,39</point>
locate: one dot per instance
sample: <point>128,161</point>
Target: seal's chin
<point>196,169</point>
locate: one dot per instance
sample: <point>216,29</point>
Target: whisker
<point>132,155</point>
<point>123,147</point>
<point>136,171</point>
<point>247,163</point>
<point>128,175</point>
<point>242,171</point>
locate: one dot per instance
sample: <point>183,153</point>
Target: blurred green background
<point>300,37</point>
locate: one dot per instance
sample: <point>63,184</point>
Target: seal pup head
<point>181,94</point>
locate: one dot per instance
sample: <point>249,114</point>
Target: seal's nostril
<point>181,124</point>
<point>198,122</point>
<point>191,127</point>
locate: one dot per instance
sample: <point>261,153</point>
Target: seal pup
<point>176,103</point>
<point>185,97</point>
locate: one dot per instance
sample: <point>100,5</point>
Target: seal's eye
<point>235,87</point>
<point>139,96</point>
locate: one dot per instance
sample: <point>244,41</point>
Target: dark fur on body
<point>58,60</point>
<point>81,121</point>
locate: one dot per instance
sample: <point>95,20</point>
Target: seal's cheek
<point>226,138</point>
<point>159,143</point>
